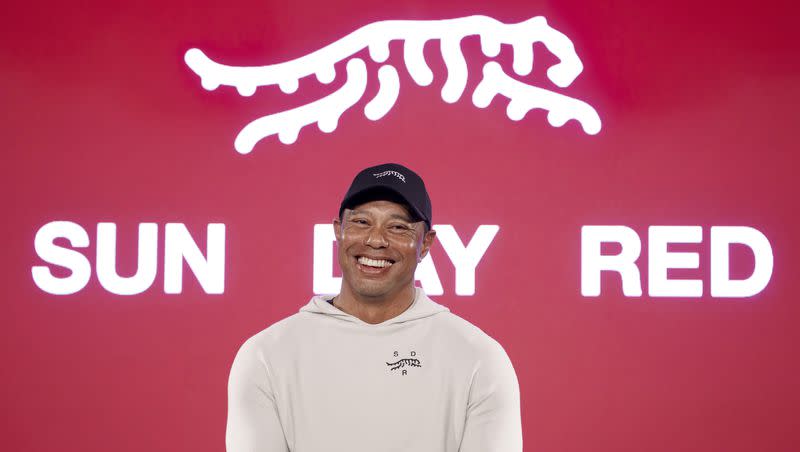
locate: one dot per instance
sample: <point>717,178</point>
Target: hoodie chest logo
<point>404,364</point>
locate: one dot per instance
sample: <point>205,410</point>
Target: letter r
<point>624,263</point>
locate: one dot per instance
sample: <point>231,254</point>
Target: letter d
<point>721,284</point>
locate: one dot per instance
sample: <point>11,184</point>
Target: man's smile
<point>373,266</point>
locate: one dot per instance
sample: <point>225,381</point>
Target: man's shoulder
<point>278,334</point>
<point>469,342</point>
<point>466,334</point>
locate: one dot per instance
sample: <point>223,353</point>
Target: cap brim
<point>380,193</point>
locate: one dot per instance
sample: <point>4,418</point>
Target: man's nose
<point>376,238</point>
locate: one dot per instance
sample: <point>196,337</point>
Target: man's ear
<point>427,242</point>
<point>337,228</point>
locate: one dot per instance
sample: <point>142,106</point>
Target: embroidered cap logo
<point>392,173</point>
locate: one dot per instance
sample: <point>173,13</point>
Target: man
<point>380,366</point>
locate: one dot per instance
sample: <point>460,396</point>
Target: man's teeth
<point>373,263</point>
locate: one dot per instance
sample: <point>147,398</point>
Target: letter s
<point>51,253</point>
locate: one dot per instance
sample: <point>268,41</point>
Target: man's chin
<point>372,289</point>
<point>372,293</point>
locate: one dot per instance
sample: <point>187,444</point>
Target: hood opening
<point>421,308</point>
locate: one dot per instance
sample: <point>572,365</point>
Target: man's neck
<point>373,310</point>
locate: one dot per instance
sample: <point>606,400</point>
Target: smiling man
<point>380,366</point>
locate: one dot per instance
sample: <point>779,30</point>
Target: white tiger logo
<point>376,36</point>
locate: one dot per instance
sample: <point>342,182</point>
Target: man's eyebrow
<point>403,217</point>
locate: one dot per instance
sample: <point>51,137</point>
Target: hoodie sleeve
<point>253,423</point>
<point>494,422</point>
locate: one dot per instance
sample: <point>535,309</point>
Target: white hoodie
<point>323,380</point>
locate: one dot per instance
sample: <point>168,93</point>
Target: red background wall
<point>104,122</point>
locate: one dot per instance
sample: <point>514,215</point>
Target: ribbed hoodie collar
<point>421,307</point>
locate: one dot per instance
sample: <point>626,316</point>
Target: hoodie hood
<point>421,308</point>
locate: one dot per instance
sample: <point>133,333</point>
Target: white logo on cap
<point>375,37</point>
<point>392,173</point>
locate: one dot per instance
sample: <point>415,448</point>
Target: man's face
<point>379,248</point>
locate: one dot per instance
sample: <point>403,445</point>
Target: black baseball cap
<point>390,182</point>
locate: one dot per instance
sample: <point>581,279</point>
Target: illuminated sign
<point>178,247</point>
<point>465,259</point>
<point>660,260</point>
<point>375,37</point>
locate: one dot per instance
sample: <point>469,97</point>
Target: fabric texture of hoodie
<point>323,380</point>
